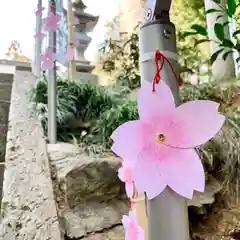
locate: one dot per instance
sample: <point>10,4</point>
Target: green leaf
<point>215,55</point>
<point>237,46</point>
<point>201,41</point>
<point>226,23</point>
<point>212,10</point>
<point>199,29</point>
<point>236,33</point>
<point>238,59</point>
<point>225,55</point>
<point>186,34</point>
<point>227,43</point>
<point>232,6</point>
<point>219,31</point>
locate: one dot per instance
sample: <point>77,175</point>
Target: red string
<point>160,57</point>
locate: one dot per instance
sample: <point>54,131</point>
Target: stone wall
<point>5,95</point>
<point>90,198</point>
<point>28,210</point>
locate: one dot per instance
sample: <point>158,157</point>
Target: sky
<point>17,22</point>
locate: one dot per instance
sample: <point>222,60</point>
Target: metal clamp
<point>158,9</point>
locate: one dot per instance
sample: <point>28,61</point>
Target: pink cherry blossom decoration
<point>48,59</point>
<point>75,20</point>
<point>161,143</point>
<point>76,42</point>
<point>132,230</point>
<point>39,11</point>
<point>125,175</point>
<point>39,36</point>
<point>70,52</point>
<point>51,21</point>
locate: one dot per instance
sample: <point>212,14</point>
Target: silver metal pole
<point>52,89</point>
<point>38,46</point>
<point>167,213</point>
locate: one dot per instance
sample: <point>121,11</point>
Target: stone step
<point>5,91</point>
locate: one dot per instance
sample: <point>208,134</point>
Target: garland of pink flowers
<point>158,150</point>
<point>50,23</point>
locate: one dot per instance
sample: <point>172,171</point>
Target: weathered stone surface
<point>116,233</point>
<point>28,206</point>
<point>208,197</point>
<point>2,148</point>
<point>93,217</point>
<point>84,178</point>
<point>4,110</point>
<point>94,196</point>
<point>5,91</point>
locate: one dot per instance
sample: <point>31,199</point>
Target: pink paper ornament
<point>70,52</point>
<point>125,175</point>
<point>132,230</point>
<point>51,21</point>
<point>39,11</point>
<point>161,143</point>
<point>75,20</point>
<point>47,59</point>
<point>76,42</point>
<point>39,36</point>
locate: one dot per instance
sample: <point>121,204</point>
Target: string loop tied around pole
<point>160,57</point>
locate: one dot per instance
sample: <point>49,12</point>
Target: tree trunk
<point>221,70</point>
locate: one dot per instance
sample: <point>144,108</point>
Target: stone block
<point>2,168</point>
<point>4,111</point>
<point>3,129</point>
<point>94,197</point>
<point>6,78</point>
<point>2,148</point>
<point>5,91</point>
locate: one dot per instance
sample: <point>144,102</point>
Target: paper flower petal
<point>125,221</point>
<point>128,140</point>
<point>47,59</point>
<point>39,36</point>
<point>147,175</point>
<point>132,230</point>
<point>151,104</point>
<point>76,42</point>
<point>51,21</point>
<point>183,172</point>
<point>129,189</point>
<point>39,11</point>
<point>75,20</point>
<point>198,121</point>
<point>70,53</point>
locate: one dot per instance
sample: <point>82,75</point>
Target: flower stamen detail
<point>161,138</point>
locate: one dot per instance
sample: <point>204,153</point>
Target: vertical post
<point>167,213</point>
<point>38,46</point>
<point>52,91</point>
<point>72,63</point>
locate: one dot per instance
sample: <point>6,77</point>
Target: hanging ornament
<point>161,144</point>
<point>126,176</point>
<point>39,35</point>
<point>47,59</point>
<point>51,21</point>
<point>39,11</point>
<point>132,230</point>
<point>70,51</point>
